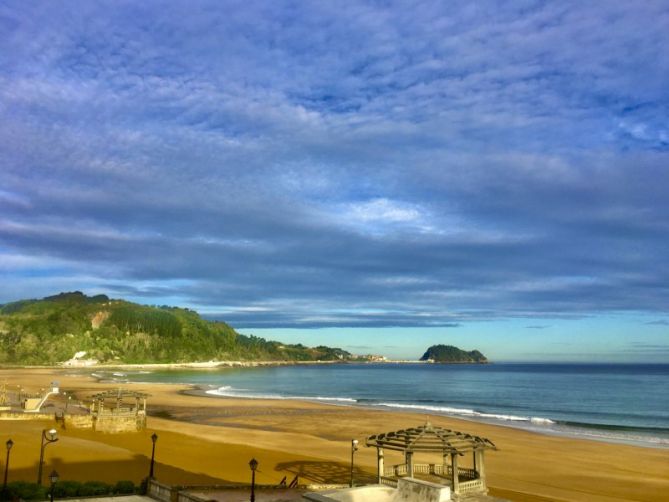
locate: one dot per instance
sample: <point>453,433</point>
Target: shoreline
<point>209,441</point>
<point>201,391</point>
<point>646,437</point>
<point>190,365</point>
<point>228,364</point>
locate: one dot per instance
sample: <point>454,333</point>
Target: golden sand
<point>205,440</point>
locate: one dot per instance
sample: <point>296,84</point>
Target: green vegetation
<point>22,490</point>
<point>451,354</point>
<point>53,329</point>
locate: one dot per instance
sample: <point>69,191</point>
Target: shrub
<point>90,488</point>
<point>64,489</point>
<point>124,487</point>
<point>26,491</point>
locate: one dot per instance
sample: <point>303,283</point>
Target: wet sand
<point>207,440</point>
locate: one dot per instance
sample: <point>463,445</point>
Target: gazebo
<point>430,439</point>
<point>112,413</point>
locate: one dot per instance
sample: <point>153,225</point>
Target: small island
<point>452,355</point>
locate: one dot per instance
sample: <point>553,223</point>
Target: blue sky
<point>375,175</point>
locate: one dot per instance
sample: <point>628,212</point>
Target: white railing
<point>436,469</point>
<point>395,470</point>
<point>467,487</point>
<point>388,482</point>
<point>467,473</point>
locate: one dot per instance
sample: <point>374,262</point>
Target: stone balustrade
<point>436,469</point>
<point>470,487</point>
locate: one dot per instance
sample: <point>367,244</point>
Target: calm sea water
<point>614,402</point>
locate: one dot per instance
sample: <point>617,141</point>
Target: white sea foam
<point>228,391</point>
<point>338,399</point>
<point>469,413</point>
<point>539,420</point>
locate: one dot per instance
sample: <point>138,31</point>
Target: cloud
<point>650,349</point>
<point>365,165</point>
<point>659,322</point>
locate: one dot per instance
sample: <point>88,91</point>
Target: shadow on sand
<point>112,471</point>
<point>326,472</point>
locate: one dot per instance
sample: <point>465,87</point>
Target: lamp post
<point>354,448</point>
<point>253,464</point>
<point>53,477</point>
<point>50,436</point>
<point>154,438</point>
<point>9,445</point>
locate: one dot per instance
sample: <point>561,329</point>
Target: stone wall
<point>79,421</point>
<point>159,491</point>
<point>19,415</point>
<point>119,423</point>
<point>411,489</point>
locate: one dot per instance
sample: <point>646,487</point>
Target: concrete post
<point>409,461</point>
<point>455,479</point>
<point>379,463</point>
<point>481,466</point>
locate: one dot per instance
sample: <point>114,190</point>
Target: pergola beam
<point>429,438</point>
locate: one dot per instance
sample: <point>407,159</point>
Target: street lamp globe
<point>52,434</point>
<point>9,444</point>
<point>253,464</point>
<point>154,437</point>
<point>54,477</point>
<point>354,448</point>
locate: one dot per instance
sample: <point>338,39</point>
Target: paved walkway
<point>242,495</point>
<point>124,498</point>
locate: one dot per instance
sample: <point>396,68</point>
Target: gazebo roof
<point>119,394</point>
<point>429,438</point>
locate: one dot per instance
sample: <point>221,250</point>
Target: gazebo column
<point>455,480</point>
<point>408,458</point>
<point>379,463</point>
<point>480,467</point>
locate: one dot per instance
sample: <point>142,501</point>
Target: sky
<point>379,176</point>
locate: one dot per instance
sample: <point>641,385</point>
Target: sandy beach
<point>207,440</point>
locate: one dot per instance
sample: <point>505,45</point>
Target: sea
<point>626,403</point>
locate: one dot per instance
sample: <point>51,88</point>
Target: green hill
<point>451,354</point>
<point>53,329</point>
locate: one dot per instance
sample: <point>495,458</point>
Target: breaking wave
<point>228,391</point>
<point>447,410</point>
